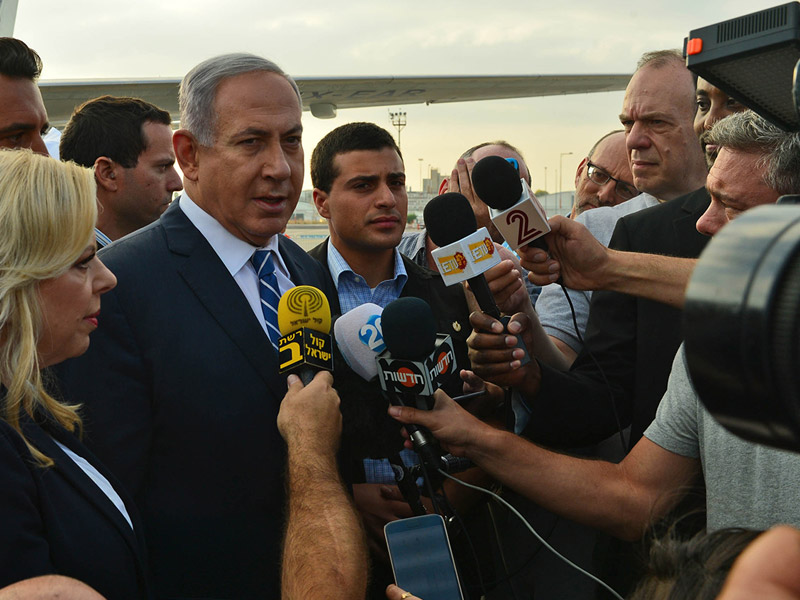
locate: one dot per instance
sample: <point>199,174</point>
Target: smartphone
<point>422,560</point>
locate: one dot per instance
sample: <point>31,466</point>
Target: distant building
<point>416,204</point>
<point>559,203</point>
<point>431,184</point>
<point>306,211</point>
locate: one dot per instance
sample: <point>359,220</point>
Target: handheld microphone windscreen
<point>449,218</point>
<point>409,328</point>
<point>304,306</point>
<point>496,182</point>
<point>359,337</point>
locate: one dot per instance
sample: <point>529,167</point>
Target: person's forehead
<point>611,155</point>
<point>157,137</point>
<point>21,102</point>
<point>667,89</point>
<point>501,151</point>
<point>739,177</point>
<point>706,89</point>
<point>367,162</point>
<point>258,94</point>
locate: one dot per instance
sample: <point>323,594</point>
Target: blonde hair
<point>48,211</point>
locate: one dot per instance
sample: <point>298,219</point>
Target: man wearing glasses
<point>602,180</point>
<point>604,176</point>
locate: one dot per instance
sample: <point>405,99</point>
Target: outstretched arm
<point>324,547</point>
<point>622,499</point>
<point>585,264</point>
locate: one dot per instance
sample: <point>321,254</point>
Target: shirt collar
<point>232,251</point>
<point>102,239</point>
<point>337,266</point>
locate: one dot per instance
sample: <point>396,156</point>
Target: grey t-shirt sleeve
<point>675,427</point>
<point>556,317</point>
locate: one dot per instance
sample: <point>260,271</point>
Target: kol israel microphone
<point>304,320</point>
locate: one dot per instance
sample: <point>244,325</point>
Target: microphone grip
<point>480,288</point>
<point>424,445</point>
<point>306,375</point>
<point>541,243</point>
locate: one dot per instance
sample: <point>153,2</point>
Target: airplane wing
<point>323,96</point>
<point>8,16</point>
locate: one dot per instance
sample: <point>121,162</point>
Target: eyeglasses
<point>600,177</point>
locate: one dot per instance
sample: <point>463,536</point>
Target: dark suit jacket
<point>55,520</point>
<point>633,341</point>
<point>181,391</point>
<point>367,428</point>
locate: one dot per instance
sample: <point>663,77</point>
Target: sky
<point>83,39</point>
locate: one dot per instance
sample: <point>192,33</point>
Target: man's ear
<point>187,150</point>
<point>579,171</point>
<point>444,185</point>
<point>321,202</point>
<point>106,172</point>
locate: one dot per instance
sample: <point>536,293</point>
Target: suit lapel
<point>219,294</point>
<point>690,242</point>
<point>75,476</point>
<point>320,254</point>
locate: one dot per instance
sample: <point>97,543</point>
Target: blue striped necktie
<point>269,292</point>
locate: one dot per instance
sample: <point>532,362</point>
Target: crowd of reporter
<point>69,522</point>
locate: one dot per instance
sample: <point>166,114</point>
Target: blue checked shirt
<point>353,291</point>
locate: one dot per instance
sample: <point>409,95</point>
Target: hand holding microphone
<point>451,224</point>
<point>464,252</point>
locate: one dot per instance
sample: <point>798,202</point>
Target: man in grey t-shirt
<point>746,483</point>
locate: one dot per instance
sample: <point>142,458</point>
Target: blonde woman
<point>61,512</point>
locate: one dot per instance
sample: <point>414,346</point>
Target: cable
<point>534,532</point>
<point>599,369</point>
<point>456,517</point>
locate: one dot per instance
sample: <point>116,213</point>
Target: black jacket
<point>367,428</point>
<point>633,341</point>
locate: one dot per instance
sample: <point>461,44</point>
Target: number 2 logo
<point>525,233</point>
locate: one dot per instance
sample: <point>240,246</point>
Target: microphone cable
<point>599,369</point>
<point>536,534</point>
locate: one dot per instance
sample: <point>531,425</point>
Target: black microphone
<point>415,363</point>
<point>461,255</point>
<point>451,224</point>
<point>515,211</point>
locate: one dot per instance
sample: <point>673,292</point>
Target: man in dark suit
<point>128,144</point>
<point>181,385</point>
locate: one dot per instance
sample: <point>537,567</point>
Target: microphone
<point>414,364</point>
<point>464,254</point>
<point>514,209</point>
<point>359,337</point>
<point>451,223</point>
<point>304,320</point>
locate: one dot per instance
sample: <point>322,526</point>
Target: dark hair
<point>347,138</point>
<point>692,569</point>
<point>109,126</point>
<point>18,61</point>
